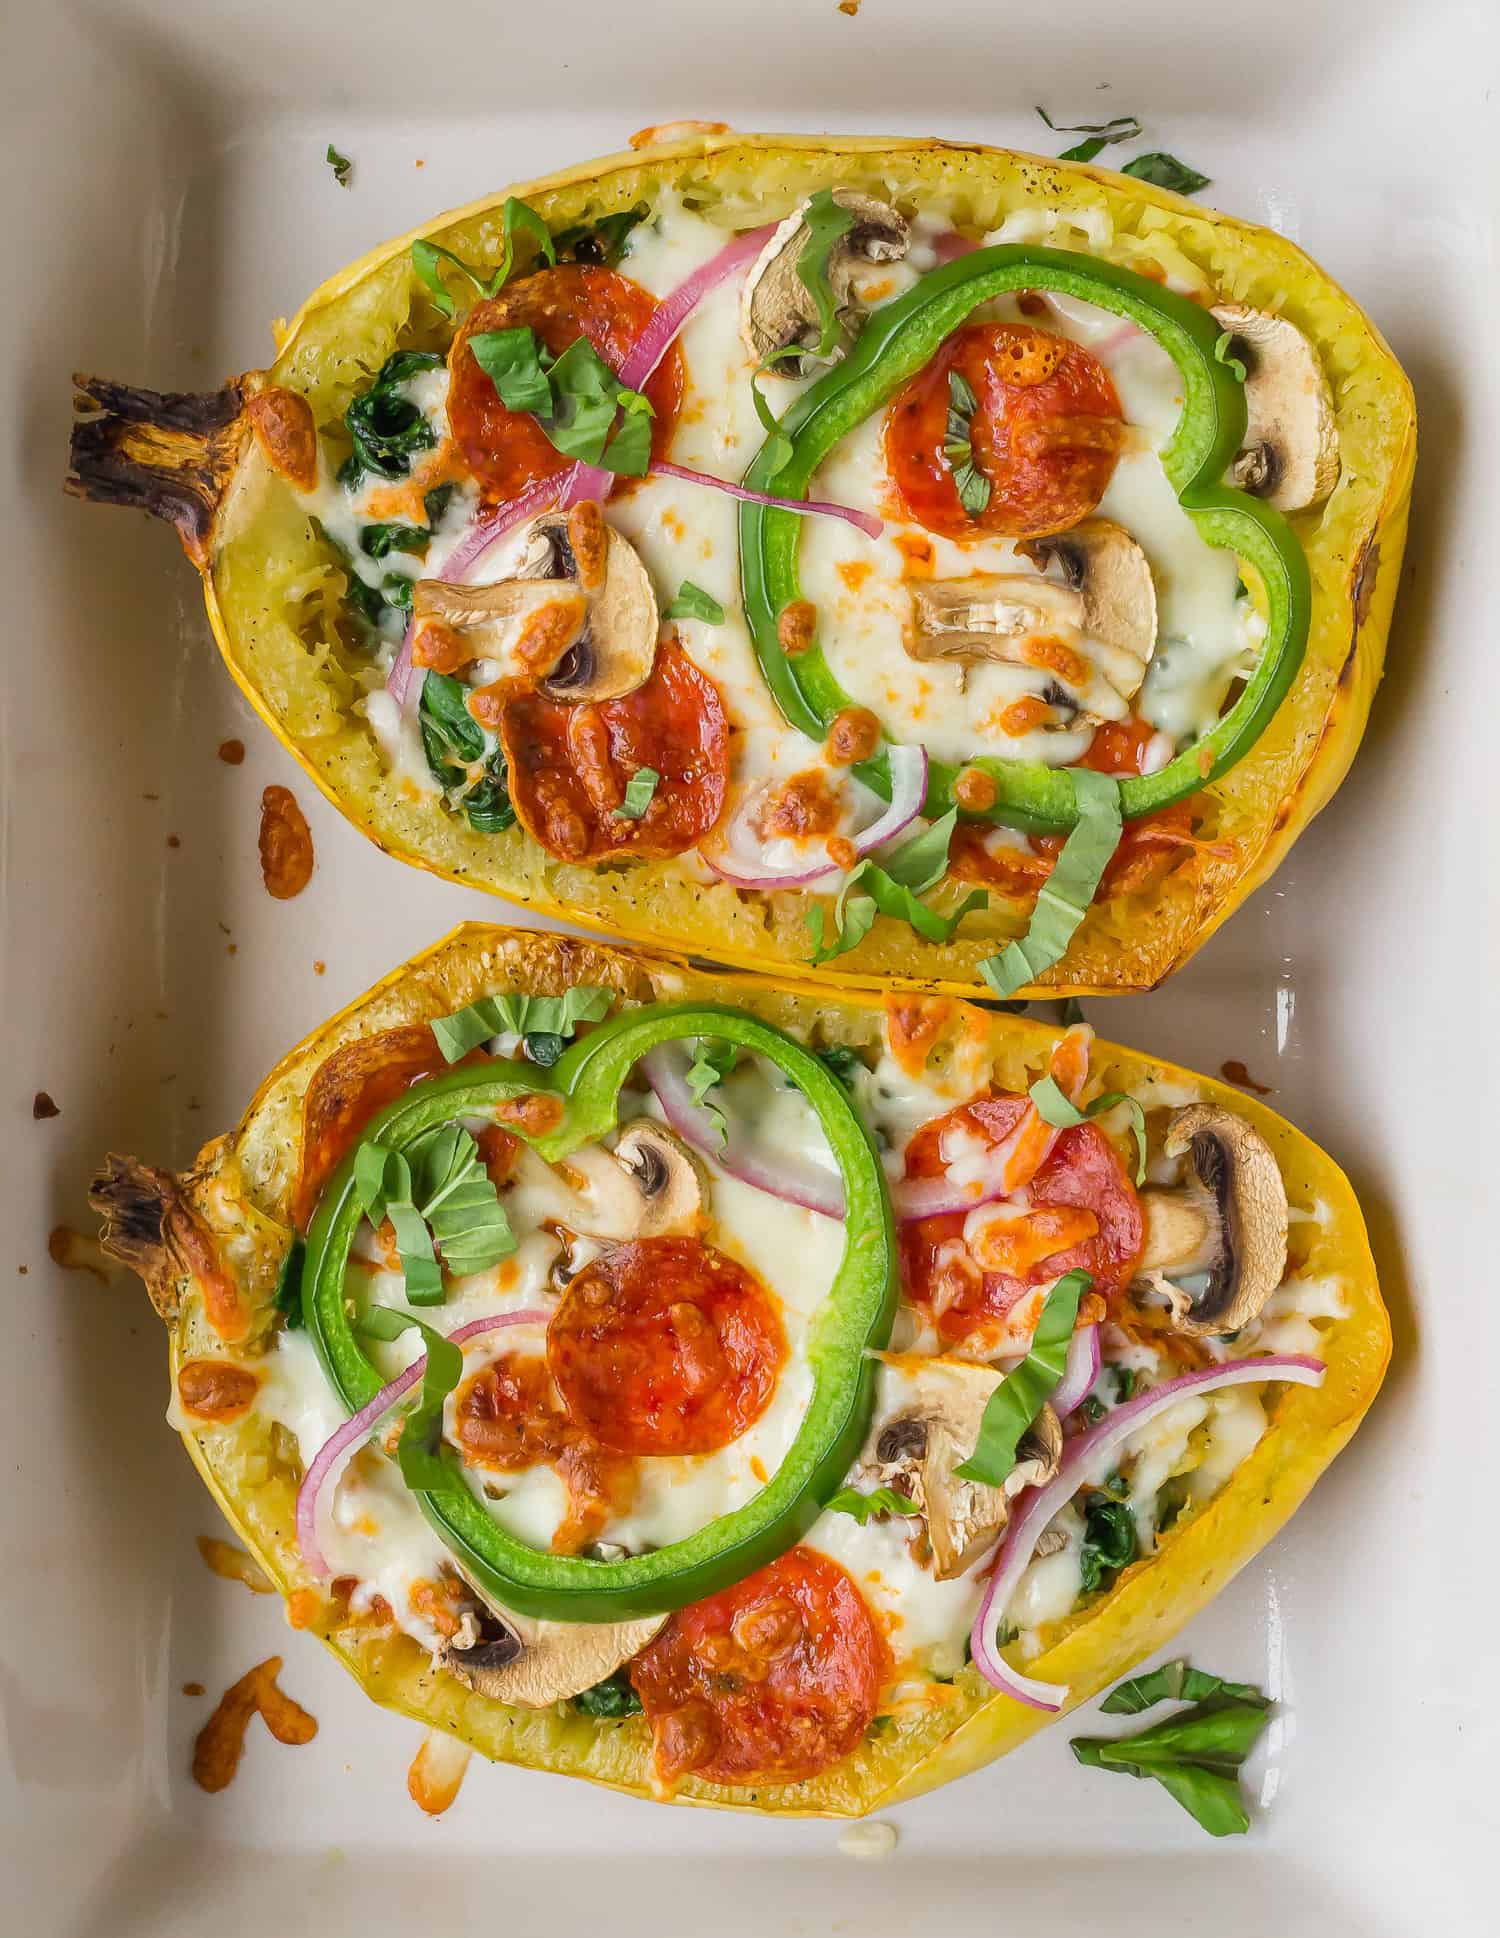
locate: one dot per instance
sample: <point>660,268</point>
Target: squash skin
<point>240,1190</point>
<point>1354,544</point>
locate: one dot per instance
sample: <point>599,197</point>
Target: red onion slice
<point>908,769</point>
<point>865,521</point>
<point>1042,1503</point>
<point>315,1495</point>
<point>797,1181</point>
<point>950,245</point>
<point>1079,1372</point>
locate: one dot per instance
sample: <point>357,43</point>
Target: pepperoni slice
<point>665,1346</point>
<point>507,1418</point>
<point>1046,432</point>
<point>1083,1172</point>
<point>507,450</point>
<point>346,1091</point>
<point>771,1681</point>
<point>1149,848</point>
<point>570,765</point>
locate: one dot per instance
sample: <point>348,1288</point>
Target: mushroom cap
<point>936,1430</point>
<point>529,624</point>
<point>776,309</point>
<point>616,650</point>
<point>1106,566</point>
<point>649,1186</point>
<point>1291,452</point>
<point>1228,1224</point>
<point>512,1658</point>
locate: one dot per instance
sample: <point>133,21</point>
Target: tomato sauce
<point>1046,433</point>
<point>1082,1177</point>
<point>506,450</point>
<point>221,1741</point>
<point>571,764</point>
<point>771,1681</point>
<point>216,1389</point>
<point>286,847</point>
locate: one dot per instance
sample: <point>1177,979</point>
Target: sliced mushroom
<point>513,1658</point>
<point>1105,597</point>
<point>936,1430</point>
<point>649,1185</point>
<point>580,615</point>
<point>776,308</point>
<point>1225,1227</point>
<point>1291,452</point>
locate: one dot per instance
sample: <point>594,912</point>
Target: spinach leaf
<point>615,1696</point>
<point>386,429</point>
<point>1165,171</point>
<point>1109,1542</point>
<point>600,241</point>
<point>379,541</point>
<point>453,742</point>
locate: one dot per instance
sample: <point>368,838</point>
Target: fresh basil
<point>615,1696</point>
<point>882,1500</point>
<point>287,1297</point>
<point>1195,1755</point>
<point>511,1012</point>
<point>1223,346</point>
<point>972,486</point>
<point>1123,127</point>
<point>517,218</point>
<point>826,224</point>
<point>383,1188</point>
<point>1176,1681</point>
<point>419,1451</point>
<point>1066,893</point>
<point>711,1064</point>
<point>639,791</point>
<point>379,541</point>
<point>459,1202</point>
<point>600,241</point>
<point>1062,1114</point>
<point>1165,171</point>
<point>513,362</point>
<point>1127,1378</point>
<point>692,602</point>
<point>776,452</point>
<point>1025,1390</point>
<point>894,889</point>
<point>586,396</point>
<point>396,591</point>
<point>1109,1542</point>
<point>340,164</point>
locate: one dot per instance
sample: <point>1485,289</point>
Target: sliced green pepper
<point>854,1318</point>
<point>896,342</point>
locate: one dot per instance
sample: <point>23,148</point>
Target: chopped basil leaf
<point>615,1696</point>
<point>1165,171</point>
<point>882,1500</point>
<point>1109,1542</point>
<point>894,890</point>
<point>288,1295</point>
<point>1223,345</point>
<point>600,241</point>
<point>1127,1378</point>
<point>711,1064</point>
<point>459,1202</point>
<point>692,602</point>
<point>587,394</point>
<point>340,164</point>
<point>383,1189</point>
<point>379,541</point>
<point>512,360</point>
<point>419,1451</point>
<point>1062,1114</point>
<point>1123,127</point>
<point>842,1061</point>
<point>1025,1390</point>
<point>1066,893</point>
<point>396,590</point>
<point>972,486</point>
<point>826,225</point>
<point>1091,1409</point>
<point>777,449</point>
<point>491,1016</point>
<point>518,217</point>
<point>639,790</point>
<point>1176,1681</point>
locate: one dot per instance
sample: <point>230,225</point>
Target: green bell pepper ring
<point>854,1318</point>
<point>896,342</point>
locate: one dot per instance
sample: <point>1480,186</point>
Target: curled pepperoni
<point>286,849</point>
<point>570,765</point>
<point>346,1091</point>
<point>771,1681</point>
<point>507,450</point>
<point>1083,1172</point>
<point>1046,432</point>
<point>665,1346</point>
<point>508,1418</point>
